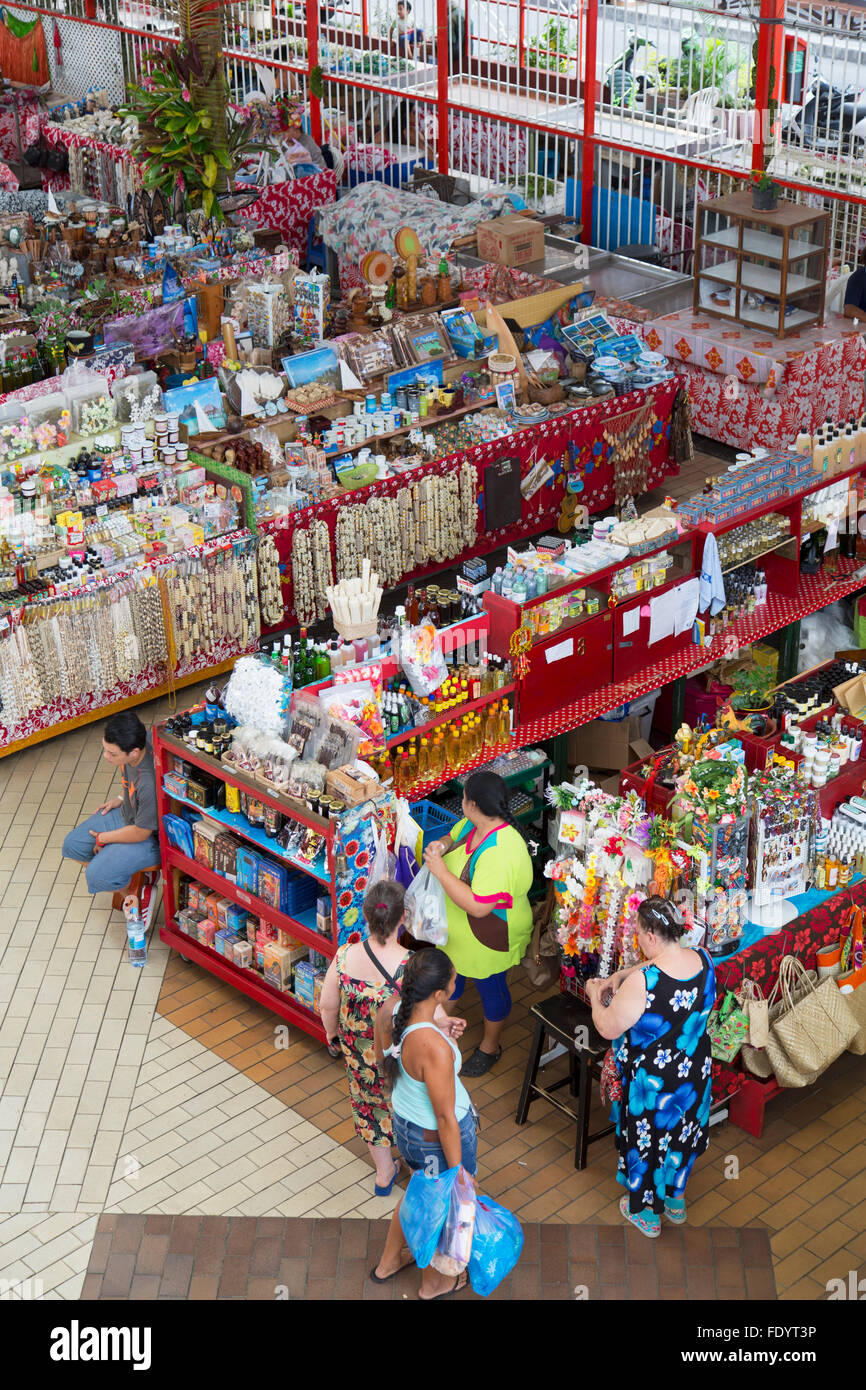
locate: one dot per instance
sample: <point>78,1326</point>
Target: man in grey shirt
<point>120,839</point>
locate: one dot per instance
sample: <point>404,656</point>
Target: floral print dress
<point>662,1120</point>
<point>360,1001</point>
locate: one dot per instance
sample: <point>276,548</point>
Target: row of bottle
<point>445,749</point>
<point>835,447</point>
<point>307,661</point>
<point>520,583</point>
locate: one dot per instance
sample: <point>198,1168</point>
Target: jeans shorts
<point>429,1157</point>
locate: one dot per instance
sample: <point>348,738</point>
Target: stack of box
<point>768,479</point>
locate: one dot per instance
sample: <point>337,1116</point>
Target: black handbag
<point>57,160</point>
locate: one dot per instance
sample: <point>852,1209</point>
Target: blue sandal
<point>675,1210</point>
<point>386,1191</point>
<point>646,1226</point>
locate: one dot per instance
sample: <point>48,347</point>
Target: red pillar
<point>443,63</point>
<point>768,84</point>
<point>313,62</point>
<point>590,86</point>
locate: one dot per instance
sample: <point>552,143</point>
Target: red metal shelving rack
<point>247,981</point>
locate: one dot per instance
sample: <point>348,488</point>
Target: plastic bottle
<point>424,760</point>
<point>504,723</point>
<point>452,743</point>
<point>136,935</point>
<point>437,755</point>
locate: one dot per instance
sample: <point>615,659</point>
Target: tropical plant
<point>549,48</point>
<point>752,686</point>
<point>705,60</point>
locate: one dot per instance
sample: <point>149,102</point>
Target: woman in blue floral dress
<point>658,1012</point>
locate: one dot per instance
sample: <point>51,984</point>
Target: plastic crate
<point>434,820</point>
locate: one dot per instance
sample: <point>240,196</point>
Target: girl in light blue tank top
<point>435,1122</point>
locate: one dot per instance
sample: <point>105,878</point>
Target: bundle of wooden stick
<point>355,603</point>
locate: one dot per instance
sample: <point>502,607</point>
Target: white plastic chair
<point>702,108</point>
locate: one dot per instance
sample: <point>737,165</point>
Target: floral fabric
<point>665,1065</point>
<point>360,1001</point>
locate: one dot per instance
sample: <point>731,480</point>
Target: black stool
<point>561,1017</point>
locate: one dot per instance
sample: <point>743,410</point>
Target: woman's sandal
<point>457,1286</point>
<point>386,1191</point>
<point>388,1277</point>
<point>640,1221</point>
<point>676,1214</point>
<point>479,1064</point>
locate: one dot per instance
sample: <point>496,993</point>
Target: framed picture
<point>505,397</point>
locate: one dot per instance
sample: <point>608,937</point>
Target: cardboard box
<point>608,744</point>
<point>510,240</point>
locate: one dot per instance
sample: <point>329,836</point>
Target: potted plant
<point>752,689</point>
<point>765,191</point>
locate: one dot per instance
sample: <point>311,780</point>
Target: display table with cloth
<point>747,387</point>
<point>367,218</point>
<point>583,428</point>
<point>288,206</point>
<point>819,922</point>
<point>114,171</point>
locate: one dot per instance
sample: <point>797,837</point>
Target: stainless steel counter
<point>646,286</point>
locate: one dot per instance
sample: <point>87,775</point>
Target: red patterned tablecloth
<point>747,388</point>
<point>288,207</point>
<point>28,117</point>
<point>59,137</point>
<point>583,427</point>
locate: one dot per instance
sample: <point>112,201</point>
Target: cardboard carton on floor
<point>608,744</point>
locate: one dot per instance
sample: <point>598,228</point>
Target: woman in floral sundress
<point>360,978</point>
<point>658,1014</point>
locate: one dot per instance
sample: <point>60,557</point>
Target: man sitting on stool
<point>121,838</point>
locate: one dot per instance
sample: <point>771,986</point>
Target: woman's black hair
<point>659,916</point>
<point>383,909</point>
<point>490,795</point>
<point>425,972</point>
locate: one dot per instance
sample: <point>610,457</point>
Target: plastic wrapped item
<point>49,419</point>
<point>308,725</point>
<point>136,398</point>
<point>424,1211</point>
<point>306,778</point>
<point>422,659</point>
<point>454,1246</point>
<point>384,863</point>
<point>823,634</point>
<point>340,744</point>
<point>426,918</point>
<point>88,400</point>
<point>254,695</point>
<point>356,702</point>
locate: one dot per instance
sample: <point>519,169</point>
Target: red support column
<point>768,74</point>
<point>313,62</point>
<point>443,64</point>
<point>521,33</point>
<point>590,87</point>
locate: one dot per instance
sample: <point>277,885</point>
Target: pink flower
<point>148,84</point>
<point>185,94</point>
<point>179,183</point>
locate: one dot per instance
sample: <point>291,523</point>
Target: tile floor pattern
<point>185,1257</point>
<point>107,1103</point>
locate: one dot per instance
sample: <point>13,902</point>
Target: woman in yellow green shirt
<point>486,872</point>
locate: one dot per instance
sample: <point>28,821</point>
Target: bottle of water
<point>136,937</point>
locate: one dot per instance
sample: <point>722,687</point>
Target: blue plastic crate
<point>433,820</point>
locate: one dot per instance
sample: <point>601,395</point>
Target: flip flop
<point>448,1292</point>
<point>388,1277</point>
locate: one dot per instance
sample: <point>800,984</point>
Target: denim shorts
<point>429,1157</point>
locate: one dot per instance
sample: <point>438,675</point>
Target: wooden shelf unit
<point>781,254</point>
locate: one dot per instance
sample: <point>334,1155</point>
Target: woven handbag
<point>755,1005</point>
<point>811,1032</point>
<point>755,1059</point>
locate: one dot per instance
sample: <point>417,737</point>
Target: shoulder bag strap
<point>380,967</point>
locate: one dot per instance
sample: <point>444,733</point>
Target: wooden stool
<point>562,1017</point>
<point>133,886</point>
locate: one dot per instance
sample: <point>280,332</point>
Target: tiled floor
<point>161,1093</point>
<point>214,1258</point>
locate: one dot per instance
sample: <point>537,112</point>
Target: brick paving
<point>240,1258</point>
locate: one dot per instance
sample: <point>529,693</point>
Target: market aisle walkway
<point>214,1258</point>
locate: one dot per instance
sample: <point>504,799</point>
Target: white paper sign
<point>630,621</point>
<point>561,650</point>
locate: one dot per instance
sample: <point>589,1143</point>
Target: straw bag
<point>810,1033</point>
<point>755,1058</point>
<point>755,1006</point>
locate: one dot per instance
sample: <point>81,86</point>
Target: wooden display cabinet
<point>746,255</point>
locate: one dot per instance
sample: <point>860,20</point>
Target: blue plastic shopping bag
<point>496,1245</point>
<point>424,1211</point>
